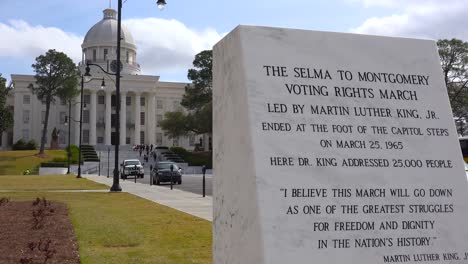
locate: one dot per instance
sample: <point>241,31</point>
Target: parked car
<point>132,167</point>
<point>162,173</point>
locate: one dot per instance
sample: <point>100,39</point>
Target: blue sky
<point>167,40</point>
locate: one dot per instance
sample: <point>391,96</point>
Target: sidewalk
<point>183,201</point>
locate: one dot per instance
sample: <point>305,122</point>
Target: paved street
<point>190,182</point>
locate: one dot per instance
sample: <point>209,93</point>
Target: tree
<point>199,93</point>
<point>454,60</point>
<point>6,116</point>
<point>56,76</point>
<point>197,100</point>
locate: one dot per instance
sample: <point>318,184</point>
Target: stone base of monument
<point>334,148</point>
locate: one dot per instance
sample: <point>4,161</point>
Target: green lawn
<point>15,162</point>
<point>122,228</point>
<point>47,182</point>
<point>119,227</point>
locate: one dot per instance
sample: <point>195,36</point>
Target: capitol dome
<point>100,44</point>
<point>105,32</point>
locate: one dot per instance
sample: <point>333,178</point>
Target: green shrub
<point>31,145</point>
<point>19,145</point>
<point>73,148</point>
<point>180,151</point>
<point>34,171</point>
<point>200,159</point>
<point>75,152</point>
<point>23,145</point>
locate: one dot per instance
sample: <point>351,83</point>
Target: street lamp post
<point>69,149</point>
<point>81,126</point>
<point>67,122</point>
<point>116,185</point>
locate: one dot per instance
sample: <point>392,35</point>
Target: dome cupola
<point>100,44</point>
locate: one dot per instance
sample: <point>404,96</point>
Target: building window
<point>191,140</point>
<point>43,117</point>
<point>85,136</point>
<point>129,100</point>
<point>63,101</point>
<point>127,57</point>
<point>26,116</point>
<point>26,99</point>
<point>61,135</point>
<point>62,117</point>
<point>43,101</point>
<point>87,98</point>
<point>159,104</point>
<point>158,119</point>
<point>85,116</point>
<point>25,134</point>
<point>101,99</point>
<point>105,54</point>
<point>100,140</point>
<point>142,137</point>
<point>142,118</point>
<point>142,101</point>
<point>159,138</point>
<point>127,140</point>
<point>175,142</point>
<point>94,54</point>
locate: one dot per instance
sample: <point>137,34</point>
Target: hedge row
<point>23,145</point>
<point>54,164</point>
<point>194,158</point>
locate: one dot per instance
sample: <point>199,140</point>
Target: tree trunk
<point>44,130</point>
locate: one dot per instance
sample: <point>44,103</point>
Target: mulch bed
<point>36,232</point>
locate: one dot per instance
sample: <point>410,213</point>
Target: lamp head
<point>87,69</point>
<point>161,4</point>
<point>103,84</point>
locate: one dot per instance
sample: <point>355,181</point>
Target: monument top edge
<point>271,28</point>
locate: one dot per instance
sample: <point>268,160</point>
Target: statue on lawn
<point>54,142</point>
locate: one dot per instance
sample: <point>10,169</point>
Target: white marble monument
<point>334,148</point>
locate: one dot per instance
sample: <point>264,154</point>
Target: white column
<point>92,118</point>
<point>137,118</point>
<point>152,118</point>
<point>108,129</point>
<point>5,140</point>
<point>75,123</point>
<point>123,117</point>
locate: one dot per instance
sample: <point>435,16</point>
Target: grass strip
<point>47,182</point>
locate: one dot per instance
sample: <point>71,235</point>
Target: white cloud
<point>417,18</point>
<point>168,44</point>
<point>21,40</point>
<point>163,45</point>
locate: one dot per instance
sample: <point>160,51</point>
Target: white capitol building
<point>144,99</point>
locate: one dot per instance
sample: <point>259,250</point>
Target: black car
<point>162,173</point>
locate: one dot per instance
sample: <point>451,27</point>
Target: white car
<point>132,167</point>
